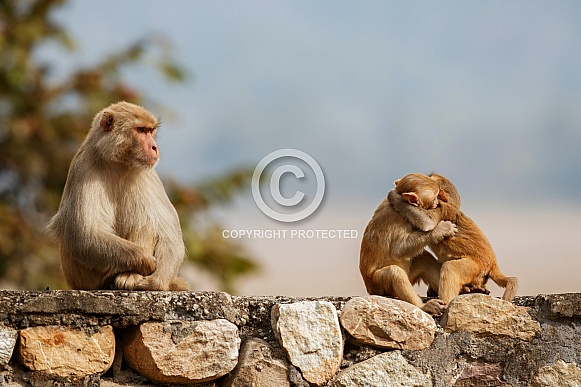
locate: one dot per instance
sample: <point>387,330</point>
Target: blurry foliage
<point>42,123</point>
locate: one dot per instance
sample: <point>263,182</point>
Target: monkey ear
<point>107,121</point>
<point>411,197</point>
<point>442,195</point>
<point>396,182</point>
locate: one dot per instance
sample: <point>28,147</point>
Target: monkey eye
<point>143,129</point>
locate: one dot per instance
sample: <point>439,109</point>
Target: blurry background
<point>486,93</point>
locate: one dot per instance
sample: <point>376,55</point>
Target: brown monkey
<point>115,224</point>
<point>467,258</point>
<point>392,256</point>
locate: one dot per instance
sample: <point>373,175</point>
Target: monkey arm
<point>169,249</point>
<point>106,252</point>
<point>170,244</point>
<point>412,243</point>
<point>88,233</point>
<point>417,216</point>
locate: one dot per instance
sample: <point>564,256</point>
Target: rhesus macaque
<point>392,256</point>
<point>467,258</point>
<point>115,224</point>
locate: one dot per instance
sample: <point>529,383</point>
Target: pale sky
<point>487,93</point>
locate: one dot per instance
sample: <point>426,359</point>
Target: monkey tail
<point>510,284</point>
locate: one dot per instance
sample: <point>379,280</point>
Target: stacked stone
<point>311,344</point>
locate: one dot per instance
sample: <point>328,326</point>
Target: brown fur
<point>115,224</point>
<point>392,256</point>
<point>467,258</point>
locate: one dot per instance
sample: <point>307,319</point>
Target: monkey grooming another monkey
<point>467,258</point>
<point>115,224</point>
<point>392,256</point>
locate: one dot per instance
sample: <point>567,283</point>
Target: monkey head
<point>125,134</point>
<point>449,192</point>
<point>419,190</point>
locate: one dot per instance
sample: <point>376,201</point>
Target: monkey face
<point>146,152</point>
<point>127,136</point>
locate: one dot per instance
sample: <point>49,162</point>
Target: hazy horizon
<point>532,246</point>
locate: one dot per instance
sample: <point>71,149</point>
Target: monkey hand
<point>146,265</point>
<point>435,307</point>
<point>443,230</point>
<point>127,281</point>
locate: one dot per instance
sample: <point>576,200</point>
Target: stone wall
<point>77,338</point>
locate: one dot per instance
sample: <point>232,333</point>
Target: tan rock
<point>559,374</point>
<point>387,323</point>
<point>485,315</point>
<point>65,351</point>
<point>310,333</point>
<point>386,369</point>
<point>183,352</point>
<point>258,366</point>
